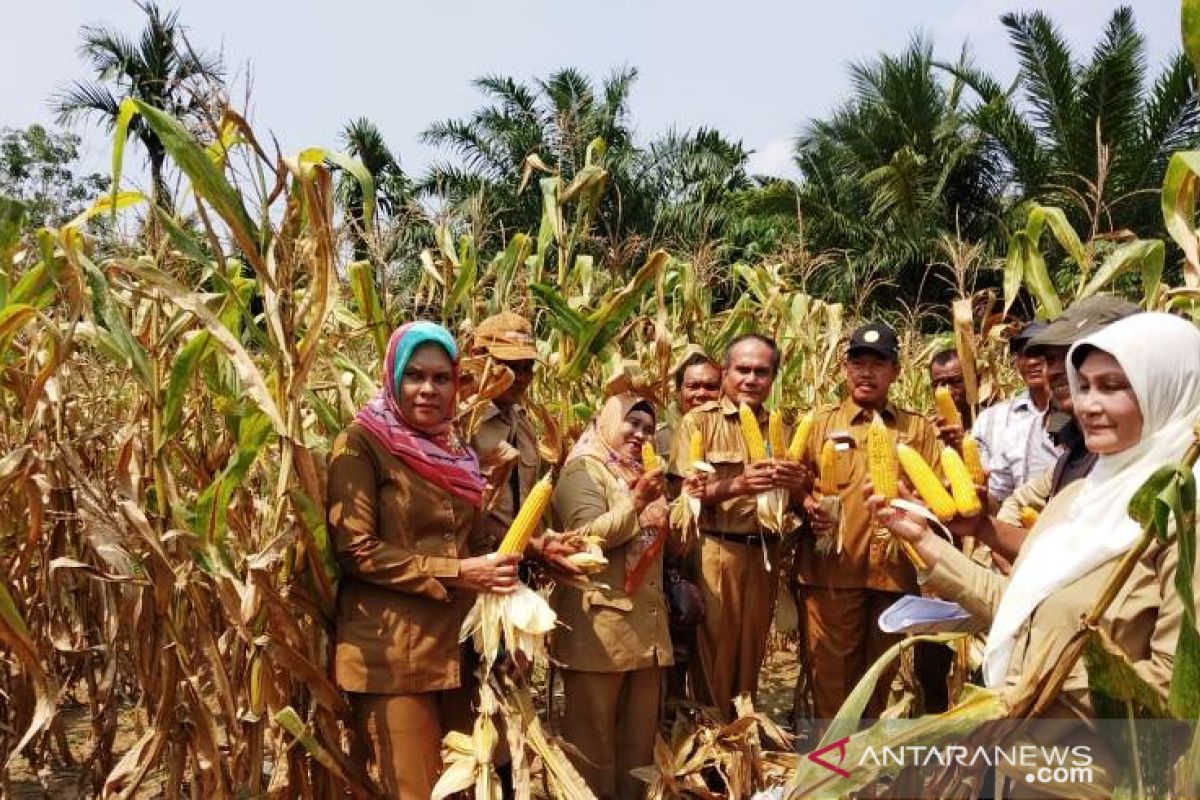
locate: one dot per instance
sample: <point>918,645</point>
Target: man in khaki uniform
<point>738,589</point>
<point>844,592</point>
<point>505,432</point>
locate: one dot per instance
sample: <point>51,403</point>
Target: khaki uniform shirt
<point>866,560</point>
<point>605,629</point>
<point>725,450</point>
<point>516,429</point>
<point>396,537</point>
<point>1035,493</point>
<point>1144,620</point>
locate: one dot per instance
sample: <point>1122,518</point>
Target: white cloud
<point>774,159</point>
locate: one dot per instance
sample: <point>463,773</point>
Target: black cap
<point>876,337</point>
<point>1017,343</point>
<point>1082,319</point>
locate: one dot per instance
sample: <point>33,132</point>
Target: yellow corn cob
<point>696,447</point>
<point>881,460</point>
<point>922,478</point>
<point>649,456</point>
<point>775,434</point>
<point>827,482</point>
<point>756,449</point>
<point>527,518</point>
<point>1029,516</point>
<point>946,408</point>
<point>970,454</point>
<point>962,485</point>
<point>795,450</point>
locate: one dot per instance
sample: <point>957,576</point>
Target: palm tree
<point>689,177</point>
<point>393,190</point>
<point>1094,136</point>
<point>896,167</point>
<point>554,119</point>
<point>159,68</point>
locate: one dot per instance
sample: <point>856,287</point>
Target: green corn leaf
<point>565,318</point>
<point>108,204</point>
<point>180,379</point>
<point>207,179</point>
<point>1180,185</point>
<point>366,297</point>
<point>13,318</point>
<point>1041,216</point>
<point>1111,674</point>
<point>505,267</point>
<point>1144,254</point>
<point>1190,27</point>
<point>1184,698</point>
<point>464,278</point>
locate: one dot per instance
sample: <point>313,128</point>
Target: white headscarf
<point>1160,355</point>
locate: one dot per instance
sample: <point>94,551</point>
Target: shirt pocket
<point>727,462</point>
<point>598,598</point>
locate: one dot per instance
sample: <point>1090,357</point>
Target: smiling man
<point>739,591</point>
<point>844,590</point>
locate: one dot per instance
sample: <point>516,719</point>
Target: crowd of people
<point>416,513</point>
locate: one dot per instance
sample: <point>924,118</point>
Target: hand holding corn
<point>914,533</point>
<point>648,488</point>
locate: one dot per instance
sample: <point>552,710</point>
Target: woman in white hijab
<point>1136,387</point>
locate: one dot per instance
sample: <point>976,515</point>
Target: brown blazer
<point>396,538</point>
<point>1143,621</point>
<point>606,630</point>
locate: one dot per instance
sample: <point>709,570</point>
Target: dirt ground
<point>61,782</point>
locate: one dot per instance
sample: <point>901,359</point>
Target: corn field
<point>169,400</point>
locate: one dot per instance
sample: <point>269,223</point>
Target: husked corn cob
<point>827,482</point>
<point>945,406</point>
<point>970,454</point>
<point>1029,516</point>
<point>926,483</point>
<point>795,450</point>
<point>696,447</point>
<point>649,456</point>
<point>756,449</point>
<point>775,434</point>
<point>881,460</point>
<point>962,486</point>
<point>521,529</point>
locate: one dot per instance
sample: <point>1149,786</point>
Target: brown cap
<point>1081,319</point>
<point>506,336</point>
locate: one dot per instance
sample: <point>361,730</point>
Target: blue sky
<point>755,70</point>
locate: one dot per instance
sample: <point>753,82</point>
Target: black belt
<point>741,538</point>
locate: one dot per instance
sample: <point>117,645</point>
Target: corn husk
<point>519,621</point>
<point>467,760</point>
<point>733,752</point>
<point>832,541</point>
<point>589,560</point>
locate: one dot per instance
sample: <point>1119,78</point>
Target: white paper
<point>915,614</point>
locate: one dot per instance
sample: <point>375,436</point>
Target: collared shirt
<point>867,560</point>
<point>725,449</point>
<point>398,538</point>
<point>515,429</point>
<point>1013,444</point>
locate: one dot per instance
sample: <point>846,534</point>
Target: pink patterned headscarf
<point>437,455</point>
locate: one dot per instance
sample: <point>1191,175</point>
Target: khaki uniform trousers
<point>400,736</point>
<point>739,605</point>
<point>844,640</point>
<point>611,719</point>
